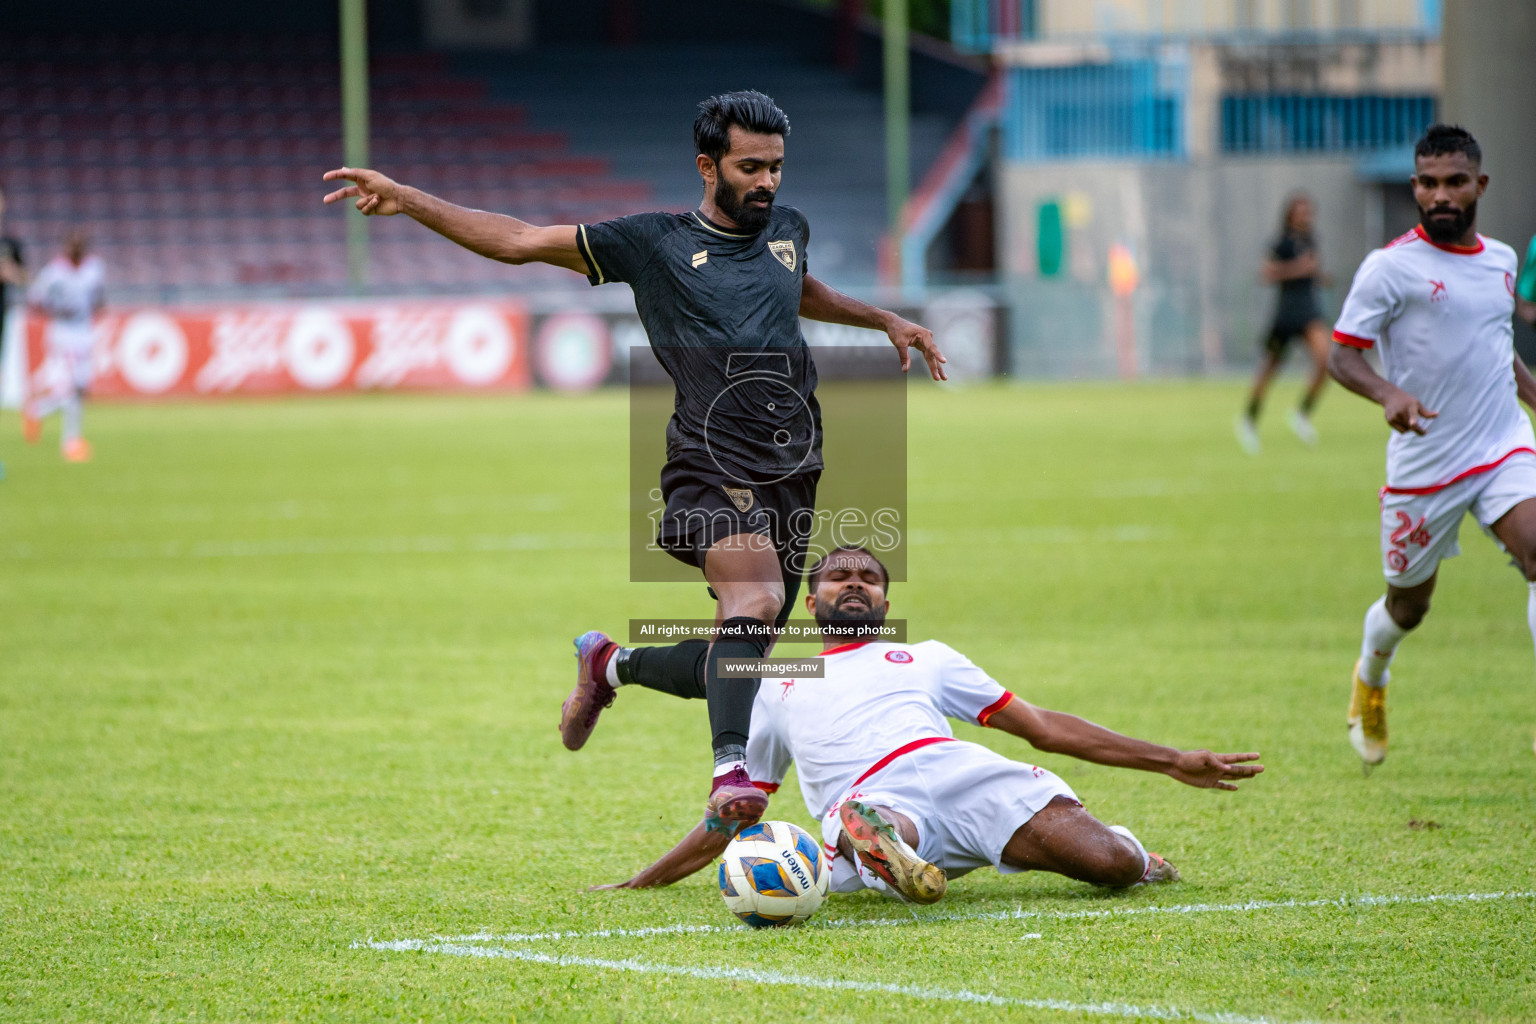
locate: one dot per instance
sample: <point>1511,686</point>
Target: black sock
<point>677,669</point>
<point>730,697</point>
<point>1307,401</point>
<point>1254,404</point>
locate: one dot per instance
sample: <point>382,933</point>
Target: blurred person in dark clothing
<point>1293,265</point>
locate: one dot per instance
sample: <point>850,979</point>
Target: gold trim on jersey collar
<point>707,226</point>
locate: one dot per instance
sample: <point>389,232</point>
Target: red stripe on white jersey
<point>1353,340</point>
<point>1459,477</point>
<point>993,708</point>
<point>905,748</point>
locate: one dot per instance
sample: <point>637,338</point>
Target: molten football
<point>774,874</point>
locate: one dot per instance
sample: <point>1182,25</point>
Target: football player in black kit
<point>720,291</point>
<point>1293,265</point>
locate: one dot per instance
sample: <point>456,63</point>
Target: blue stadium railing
<point>1131,109</point>
<point>978,26</point>
<point>1288,123</point>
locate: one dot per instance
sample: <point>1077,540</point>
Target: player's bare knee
<point>1101,856</point>
<point>1406,611</point>
<point>762,602</point>
<point>1120,863</point>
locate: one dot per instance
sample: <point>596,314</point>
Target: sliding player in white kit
<point>68,291</point>
<point>1437,304</point>
<point>903,804</point>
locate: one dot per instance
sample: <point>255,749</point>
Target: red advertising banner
<point>303,347</point>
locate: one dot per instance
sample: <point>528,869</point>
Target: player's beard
<point>848,624</point>
<point>748,218</point>
<point>1448,231</point>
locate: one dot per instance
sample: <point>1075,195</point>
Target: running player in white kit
<point>1437,305</point>
<point>902,803</point>
<point>69,292</point>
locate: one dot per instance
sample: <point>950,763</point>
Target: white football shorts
<point>1418,531</point>
<point>71,349</point>
<point>965,800</point>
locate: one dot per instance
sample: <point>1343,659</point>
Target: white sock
<point>1382,635</point>
<point>845,875</point>
<point>71,417</point>
<point>1146,862</point>
<point>612,672</point>
<point>726,767</point>
<point>1530,611</point>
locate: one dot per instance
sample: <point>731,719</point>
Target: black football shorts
<point>705,505</point>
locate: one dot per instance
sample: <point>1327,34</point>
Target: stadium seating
<point>195,163</point>
<point>637,107</point>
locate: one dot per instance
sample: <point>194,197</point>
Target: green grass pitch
<point>278,678</point>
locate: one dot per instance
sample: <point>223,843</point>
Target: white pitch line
<point>1342,902</point>
<point>462,946</point>
<point>762,977</point>
<point>601,933</point>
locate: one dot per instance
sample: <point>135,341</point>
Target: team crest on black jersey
<point>741,497</point>
<point>784,252</point>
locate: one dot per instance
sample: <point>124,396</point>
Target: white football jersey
<point>876,702</point>
<point>67,293</point>
<point>1441,319</point>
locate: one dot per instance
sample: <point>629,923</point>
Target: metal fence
<point>1279,123</point>
<point>979,26</point>
<point>1131,109</point>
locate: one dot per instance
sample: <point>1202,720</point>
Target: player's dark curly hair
<point>824,561</point>
<point>747,109</point>
<point>1444,139</point>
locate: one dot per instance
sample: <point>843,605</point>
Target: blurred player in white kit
<point>1437,304</point>
<point>13,274</point>
<point>68,291</point>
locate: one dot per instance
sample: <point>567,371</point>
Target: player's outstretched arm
<point>1057,733</point>
<point>1402,411</point>
<point>1525,384</point>
<point>697,850</point>
<point>493,235</point>
<point>820,302</point>
<point>11,272</point>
